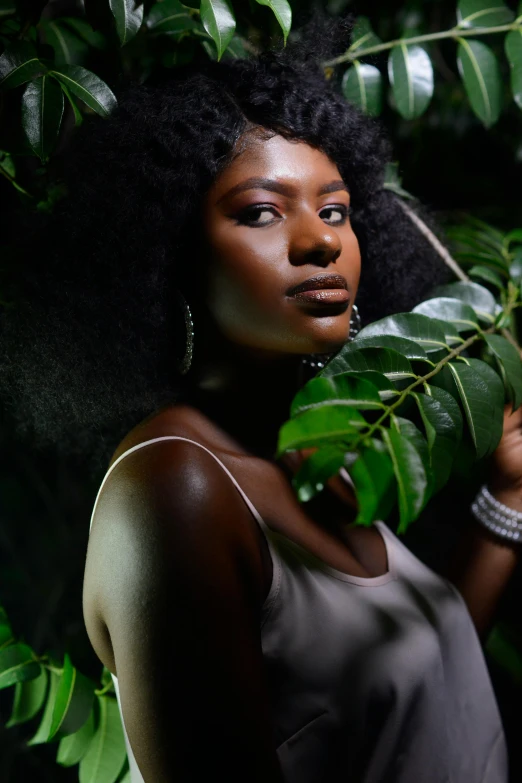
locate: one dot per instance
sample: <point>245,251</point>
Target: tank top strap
<point>255,513</point>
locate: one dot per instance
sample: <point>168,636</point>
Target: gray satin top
<point>373,680</point>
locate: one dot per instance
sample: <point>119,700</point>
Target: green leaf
<point>410,475</point>
<point>461,315</point>
<point>78,119</point>
<point>106,754</point>
<point>84,30</point>
<point>393,181</point>
<point>171,17</point>
<point>411,75</point>
<point>515,269</point>
<point>7,8</point>
<point>386,388</point>
<point>128,17</point>
<point>408,348</point>
<point>507,654</point>
<point>496,397</point>
<point>88,87</point>
<point>487,275</point>
<point>450,405</point>
<point>282,12</point>
<point>511,366</point>
<point>42,112</point>
<point>320,426</point>
<point>362,86</point>
<point>316,470</point>
<point>28,699</point>
<point>513,236</point>
<point>513,48</point>
<point>344,389</point>
<point>42,733</point>
<point>408,429</point>
<point>480,73</point>
<point>483,13</point>
<point>74,747</point>
<point>478,410</point>
<point>73,701</point>
<point>68,48</point>
<point>382,360</point>
<point>413,326</point>
<point>373,478</point>
<point>6,635</point>
<point>219,21</point>
<point>476,296</point>
<point>363,36</point>
<point>17,664</point>
<point>19,64</point>
<point>442,437</point>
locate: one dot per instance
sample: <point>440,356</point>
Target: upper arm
<point>173,570</point>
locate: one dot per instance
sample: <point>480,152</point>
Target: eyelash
<point>243,218</point>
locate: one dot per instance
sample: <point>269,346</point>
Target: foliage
<point>82,719</point>
<point>415,391</point>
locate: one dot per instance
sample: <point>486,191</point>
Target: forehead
<point>277,158</point>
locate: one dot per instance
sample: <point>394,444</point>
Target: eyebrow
<point>278,187</point>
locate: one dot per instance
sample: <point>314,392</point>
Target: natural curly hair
<point>89,347</point>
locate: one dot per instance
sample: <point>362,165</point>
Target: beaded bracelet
<point>499,519</point>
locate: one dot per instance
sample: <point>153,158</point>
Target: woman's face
<point>277,218</point>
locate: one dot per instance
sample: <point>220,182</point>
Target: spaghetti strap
<point>255,513</point>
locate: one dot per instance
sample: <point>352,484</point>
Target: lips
<point>319,282</point>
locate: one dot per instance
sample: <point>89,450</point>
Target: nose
<point>314,242</point>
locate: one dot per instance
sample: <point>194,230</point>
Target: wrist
<point>497,516</point>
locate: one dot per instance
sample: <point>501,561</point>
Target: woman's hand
<point>506,474</point>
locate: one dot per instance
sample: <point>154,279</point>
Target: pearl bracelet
<point>499,519</point>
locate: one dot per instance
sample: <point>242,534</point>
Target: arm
<point>174,576</point>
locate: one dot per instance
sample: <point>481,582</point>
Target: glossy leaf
<point>316,470</point>
<point>450,405</point>
<point>478,410</point>
<point>461,315</point>
<point>496,397</point>
<point>385,387</point>
<point>407,348</point>
<point>362,86</point>
<point>74,747</point>
<point>19,64</point>
<point>68,48</point>
<point>441,435</point>
<point>484,274</point>
<point>6,634</point>
<point>78,119</point>
<point>413,326</point>
<point>480,73</point>
<point>513,48</point>
<point>170,16</point>
<point>339,390</point>
<point>513,236</point>
<point>17,664</point>
<point>320,426</point>
<point>42,112</point>
<point>382,360</point>
<point>128,16</point>
<point>410,475</point>
<point>476,296</point>
<point>73,701</point>
<point>106,753</point>
<point>511,366</point>
<point>483,13</point>
<point>411,75</point>
<point>373,478</point>
<point>451,334</point>
<point>28,699</point>
<point>219,21</point>
<point>282,12</point>
<point>363,36</point>
<point>42,733</point>
<point>88,87</point>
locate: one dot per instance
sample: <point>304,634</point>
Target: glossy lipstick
<point>321,290</point>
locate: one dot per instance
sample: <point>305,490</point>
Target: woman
<point>225,221</point>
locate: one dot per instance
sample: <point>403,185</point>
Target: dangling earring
<point>186,361</point>
<point>355,323</point>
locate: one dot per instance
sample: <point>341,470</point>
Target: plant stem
<point>104,690</point>
<point>421,380</point>
<point>455,32</point>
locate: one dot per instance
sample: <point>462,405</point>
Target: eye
<point>335,214</point>
<point>260,215</point>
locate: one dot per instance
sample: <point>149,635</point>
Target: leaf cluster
<point>396,405</point>
<point>82,719</point>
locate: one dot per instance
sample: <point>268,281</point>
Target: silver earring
<point>355,323</point>
<point>186,361</point>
